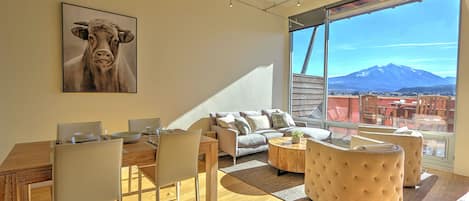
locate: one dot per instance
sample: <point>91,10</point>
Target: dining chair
<point>66,130</point>
<point>88,171</point>
<point>139,125</point>
<point>176,160</point>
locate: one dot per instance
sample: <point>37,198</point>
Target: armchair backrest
<point>413,148</point>
<point>337,173</point>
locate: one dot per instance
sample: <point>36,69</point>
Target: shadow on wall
<point>253,91</point>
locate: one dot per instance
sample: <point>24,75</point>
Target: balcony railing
<point>434,113</point>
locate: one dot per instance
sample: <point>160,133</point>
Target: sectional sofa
<point>234,143</point>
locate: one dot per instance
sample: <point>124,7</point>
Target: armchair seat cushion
<point>315,133</point>
<point>251,140</point>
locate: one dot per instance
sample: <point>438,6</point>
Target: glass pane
<point>395,67</point>
<point>434,147</point>
<point>308,81</point>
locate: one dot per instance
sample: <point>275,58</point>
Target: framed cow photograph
<point>99,50</point>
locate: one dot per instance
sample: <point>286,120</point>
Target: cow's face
<point>103,38</point>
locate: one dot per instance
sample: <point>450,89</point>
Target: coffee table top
<point>285,142</point>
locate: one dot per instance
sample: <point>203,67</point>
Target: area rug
<point>255,171</point>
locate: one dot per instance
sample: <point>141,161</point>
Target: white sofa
<point>236,144</point>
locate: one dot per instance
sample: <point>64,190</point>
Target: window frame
<point>445,163</point>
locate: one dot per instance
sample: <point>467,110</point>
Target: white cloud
<point>416,44</point>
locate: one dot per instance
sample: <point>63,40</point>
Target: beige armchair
<point>88,171</point>
<point>365,174</point>
<point>413,148</point>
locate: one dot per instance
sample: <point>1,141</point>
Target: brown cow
<point>100,67</point>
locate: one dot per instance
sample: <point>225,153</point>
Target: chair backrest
<point>337,173</point>
<point>413,148</point>
<point>66,130</point>
<point>368,108</point>
<point>139,125</point>
<point>433,105</point>
<point>177,157</point>
<point>88,171</point>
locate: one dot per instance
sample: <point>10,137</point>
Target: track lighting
<point>298,3</point>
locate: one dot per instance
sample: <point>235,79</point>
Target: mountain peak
<point>387,77</point>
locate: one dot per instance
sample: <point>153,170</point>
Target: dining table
<point>31,162</point>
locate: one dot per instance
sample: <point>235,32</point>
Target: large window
<point>391,67</point>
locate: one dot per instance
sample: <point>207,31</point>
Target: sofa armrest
<point>227,139</point>
<point>301,123</point>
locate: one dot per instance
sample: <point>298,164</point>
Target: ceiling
<point>287,8</point>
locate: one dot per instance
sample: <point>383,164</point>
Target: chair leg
<point>197,193</point>
<point>178,190</point>
<point>139,185</point>
<point>157,193</point>
<point>129,183</point>
<point>234,160</point>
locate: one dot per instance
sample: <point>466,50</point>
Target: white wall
<point>461,163</point>
<point>194,57</point>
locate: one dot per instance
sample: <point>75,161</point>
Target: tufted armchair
<point>413,147</point>
<point>364,174</point>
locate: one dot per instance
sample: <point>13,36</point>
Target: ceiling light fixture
<point>231,4</point>
<point>298,3</point>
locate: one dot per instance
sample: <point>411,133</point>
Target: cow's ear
<point>125,36</point>
<point>80,32</point>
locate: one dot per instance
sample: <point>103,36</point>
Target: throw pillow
<point>226,122</point>
<point>242,125</point>
<point>250,113</point>
<point>279,120</point>
<point>258,122</point>
<point>403,130</point>
<point>290,120</point>
<point>376,147</point>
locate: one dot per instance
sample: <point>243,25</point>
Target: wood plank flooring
<point>229,188</point>
<point>448,187</point>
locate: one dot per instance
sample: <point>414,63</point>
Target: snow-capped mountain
<point>388,78</point>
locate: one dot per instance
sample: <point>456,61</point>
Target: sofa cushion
<point>269,133</point>
<point>251,140</point>
<point>258,122</point>
<point>279,120</point>
<point>315,133</point>
<point>250,113</point>
<point>226,122</point>
<point>242,125</point>
<point>269,112</point>
<point>224,114</point>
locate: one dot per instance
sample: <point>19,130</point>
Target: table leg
<point>7,188</point>
<point>211,167</point>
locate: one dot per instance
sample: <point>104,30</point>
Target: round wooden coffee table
<point>286,156</point>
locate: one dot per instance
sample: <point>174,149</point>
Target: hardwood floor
<point>448,187</point>
<point>229,188</point>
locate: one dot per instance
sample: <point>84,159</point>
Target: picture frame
<point>99,50</point>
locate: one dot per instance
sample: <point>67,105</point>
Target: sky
<point>422,35</point>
